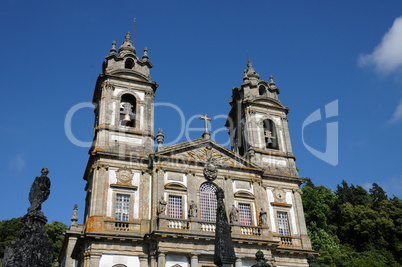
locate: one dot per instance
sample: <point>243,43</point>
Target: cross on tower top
<point>206,134</point>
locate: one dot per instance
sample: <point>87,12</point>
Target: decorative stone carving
<point>259,257</point>
<point>31,246</point>
<point>161,206</point>
<point>192,212</point>
<point>74,218</point>
<point>210,170</point>
<point>224,255</point>
<point>124,175</point>
<point>263,218</point>
<point>234,215</point>
<point>279,195</point>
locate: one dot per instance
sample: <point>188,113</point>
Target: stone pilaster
<point>239,262</point>
<point>161,259</point>
<point>300,217</point>
<point>194,261</point>
<point>144,261</point>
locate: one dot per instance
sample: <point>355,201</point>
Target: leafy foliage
<point>10,228</point>
<point>353,227</point>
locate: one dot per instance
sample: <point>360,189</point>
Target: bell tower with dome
<point>258,124</point>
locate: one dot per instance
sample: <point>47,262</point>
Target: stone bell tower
<point>258,124</point>
<point>123,136</point>
<point>124,99</point>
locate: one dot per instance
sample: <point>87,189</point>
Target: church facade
<point>157,207</point>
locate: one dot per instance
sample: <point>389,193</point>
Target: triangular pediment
<point>201,150</point>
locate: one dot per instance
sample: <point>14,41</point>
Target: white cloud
<point>17,162</point>
<point>397,117</point>
<point>387,56</point>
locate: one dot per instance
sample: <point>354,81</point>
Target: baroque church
<point>157,207</point>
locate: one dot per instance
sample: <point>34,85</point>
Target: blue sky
<point>317,51</point>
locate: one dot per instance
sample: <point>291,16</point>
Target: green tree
<point>55,232</point>
<point>8,231</point>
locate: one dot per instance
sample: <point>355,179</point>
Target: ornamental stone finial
<point>74,218</point>
<point>250,72</point>
<point>272,83</point>
<point>145,56</point>
<point>127,47</point>
<point>160,138</point>
<point>113,49</point>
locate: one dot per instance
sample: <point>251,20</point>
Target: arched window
<point>261,90</point>
<point>208,202</point>
<point>129,64</point>
<point>270,134</point>
<point>127,110</point>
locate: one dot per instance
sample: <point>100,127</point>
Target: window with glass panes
<point>122,207</point>
<point>208,202</point>
<point>174,207</point>
<point>283,223</point>
<point>245,214</point>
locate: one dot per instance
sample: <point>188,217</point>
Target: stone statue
<point>259,257</point>
<point>31,246</point>
<point>263,218</point>
<point>311,260</point>
<point>224,255</point>
<point>234,215</point>
<point>161,206</point>
<point>40,191</point>
<point>192,212</point>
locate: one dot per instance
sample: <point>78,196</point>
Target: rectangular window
<point>122,207</point>
<point>283,224</point>
<point>175,210</point>
<point>245,214</point>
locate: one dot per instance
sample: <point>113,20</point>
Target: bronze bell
<point>126,119</point>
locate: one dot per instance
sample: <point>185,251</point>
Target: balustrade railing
<point>208,227</point>
<point>177,224</point>
<point>250,230</point>
<point>286,240</point>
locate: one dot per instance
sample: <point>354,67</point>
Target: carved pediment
<point>202,150</point>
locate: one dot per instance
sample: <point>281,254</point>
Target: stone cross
<point>206,134</point>
<point>205,118</point>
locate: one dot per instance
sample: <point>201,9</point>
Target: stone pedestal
<point>31,247</point>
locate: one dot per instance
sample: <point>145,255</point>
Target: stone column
<point>144,261</point>
<point>300,217</point>
<point>239,262</point>
<point>194,261</point>
<point>161,259</point>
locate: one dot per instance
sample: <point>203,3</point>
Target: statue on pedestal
<point>31,247</point>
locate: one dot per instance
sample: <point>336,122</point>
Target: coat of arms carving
<point>210,170</point>
<point>124,175</point>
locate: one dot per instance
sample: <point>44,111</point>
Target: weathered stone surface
<point>224,250</point>
<point>31,247</point>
